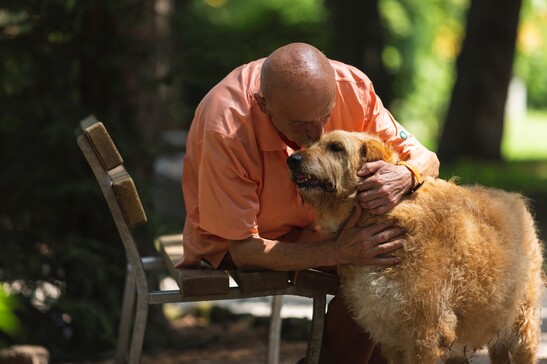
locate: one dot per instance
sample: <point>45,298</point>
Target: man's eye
<point>335,147</point>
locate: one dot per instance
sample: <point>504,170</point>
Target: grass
<point>524,148</point>
<point>520,176</point>
<point>525,139</point>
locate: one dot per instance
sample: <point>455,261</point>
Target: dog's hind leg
<point>526,330</point>
<point>521,341</point>
<point>527,334</point>
<point>499,353</point>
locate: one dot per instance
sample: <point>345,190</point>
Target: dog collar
<point>416,174</point>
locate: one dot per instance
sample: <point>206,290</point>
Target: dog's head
<point>328,169</point>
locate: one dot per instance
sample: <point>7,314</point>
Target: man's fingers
<point>369,200</point>
<point>389,247</point>
<point>385,262</point>
<point>382,253</point>
<point>379,210</point>
<point>376,206</point>
<point>379,230</point>
<point>370,168</point>
<point>388,235</point>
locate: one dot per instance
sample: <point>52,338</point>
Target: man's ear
<point>373,150</point>
<point>261,101</point>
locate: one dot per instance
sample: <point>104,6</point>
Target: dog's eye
<point>335,147</point>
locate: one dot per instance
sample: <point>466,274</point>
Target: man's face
<point>301,119</point>
<point>302,132</point>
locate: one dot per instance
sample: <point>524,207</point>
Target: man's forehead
<point>306,114</point>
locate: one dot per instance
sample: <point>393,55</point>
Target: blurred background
<point>468,77</point>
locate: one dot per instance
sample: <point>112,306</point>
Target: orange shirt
<point>235,179</point>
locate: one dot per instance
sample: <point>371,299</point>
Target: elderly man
<point>242,208</point>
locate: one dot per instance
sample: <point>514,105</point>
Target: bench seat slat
<point>192,281</point>
<point>317,281</point>
<point>260,281</point>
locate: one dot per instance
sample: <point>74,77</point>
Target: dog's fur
<point>469,274</point>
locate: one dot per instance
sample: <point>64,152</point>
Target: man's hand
<point>369,245</point>
<point>383,185</point>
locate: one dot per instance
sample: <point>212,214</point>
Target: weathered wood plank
<point>192,281</point>
<point>317,281</point>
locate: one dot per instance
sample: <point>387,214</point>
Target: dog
<point>470,272</point>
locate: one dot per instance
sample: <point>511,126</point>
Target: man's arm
<point>362,246</point>
<point>425,161</point>
<point>384,185</point>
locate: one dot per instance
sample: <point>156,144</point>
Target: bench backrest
<point>117,187</point>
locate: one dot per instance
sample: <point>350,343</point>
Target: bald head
<point>297,71</point>
<point>298,92</point>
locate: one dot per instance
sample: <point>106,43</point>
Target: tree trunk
<point>139,100</point>
<point>97,27</point>
<point>474,122</point>
<point>119,67</point>
<point>358,41</point>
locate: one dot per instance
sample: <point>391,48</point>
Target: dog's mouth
<point>307,181</point>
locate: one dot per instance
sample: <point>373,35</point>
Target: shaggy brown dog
<point>470,272</point>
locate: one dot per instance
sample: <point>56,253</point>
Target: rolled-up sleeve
<point>379,121</point>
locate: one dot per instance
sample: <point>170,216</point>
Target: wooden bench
<point>199,284</point>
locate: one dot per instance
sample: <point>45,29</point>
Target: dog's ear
<point>374,150</point>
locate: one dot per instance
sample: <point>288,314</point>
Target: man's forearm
<point>257,252</point>
<point>360,245</point>
<point>426,162</point>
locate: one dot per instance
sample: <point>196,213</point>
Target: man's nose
<point>295,160</point>
<point>316,130</point>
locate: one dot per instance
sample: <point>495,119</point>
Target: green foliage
<point>9,323</point>
<point>54,226</point>
<point>214,37</point>
<point>422,41</point>
<point>530,62</point>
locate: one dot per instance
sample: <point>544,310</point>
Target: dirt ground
<point>232,341</point>
<point>239,341</point>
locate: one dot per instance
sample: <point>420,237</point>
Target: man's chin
<point>302,142</point>
<point>305,142</point>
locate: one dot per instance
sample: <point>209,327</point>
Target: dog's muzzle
<point>302,179</point>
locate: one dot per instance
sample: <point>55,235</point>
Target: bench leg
<point>138,330</point>
<point>272,354</point>
<point>317,326</point>
<point>126,318</point>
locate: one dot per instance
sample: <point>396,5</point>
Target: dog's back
<point>470,269</point>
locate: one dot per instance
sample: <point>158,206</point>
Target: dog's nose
<point>294,160</point>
